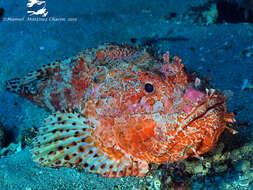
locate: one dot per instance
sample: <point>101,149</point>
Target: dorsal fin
<point>67,140</point>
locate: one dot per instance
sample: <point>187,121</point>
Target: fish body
<point>116,109</point>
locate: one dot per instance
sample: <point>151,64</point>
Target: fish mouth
<point>213,102</point>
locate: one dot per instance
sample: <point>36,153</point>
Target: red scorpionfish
<point>116,109</point>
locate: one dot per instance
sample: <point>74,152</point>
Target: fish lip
<point>210,103</point>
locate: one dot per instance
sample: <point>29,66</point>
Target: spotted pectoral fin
<point>67,140</point>
<point>28,85</point>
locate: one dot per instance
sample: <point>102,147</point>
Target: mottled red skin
<point>107,85</point>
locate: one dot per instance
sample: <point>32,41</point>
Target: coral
<point>28,135</point>
<point>242,166</point>
<point>156,184</point>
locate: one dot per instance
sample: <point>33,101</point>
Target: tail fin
<point>26,86</point>
<point>34,85</point>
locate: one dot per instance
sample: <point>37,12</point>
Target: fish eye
<point>149,87</point>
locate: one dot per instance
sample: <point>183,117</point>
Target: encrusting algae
<point>116,109</point>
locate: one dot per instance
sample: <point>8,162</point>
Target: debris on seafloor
<point>25,139</point>
<point>210,16</point>
<point>4,147</point>
<point>204,14</point>
<point>27,136</point>
<point>248,52</point>
<point>11,148</point>
<point>246,85</point>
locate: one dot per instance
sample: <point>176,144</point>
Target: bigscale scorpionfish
<point>116,109</point>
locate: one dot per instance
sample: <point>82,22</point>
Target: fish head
<point>161,115</point>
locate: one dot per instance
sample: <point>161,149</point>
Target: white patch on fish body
<point>160,120</point>
<point>124,86</point>
<point>158,106</point>
<point>143,100</point>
